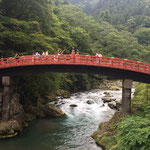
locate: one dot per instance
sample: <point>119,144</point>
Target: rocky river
<point>84,111</point>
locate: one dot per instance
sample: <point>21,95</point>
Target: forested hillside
<point>28,25</point>
<point>131,16</point>
<point>125,33</point>
<point>114,28</point>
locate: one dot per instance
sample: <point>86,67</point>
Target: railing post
<point>126,96</point>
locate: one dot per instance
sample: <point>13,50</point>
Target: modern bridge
<point>128,70</point>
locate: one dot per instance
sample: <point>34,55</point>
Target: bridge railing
<point>75,60</point>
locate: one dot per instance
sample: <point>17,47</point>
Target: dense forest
<point>130,19</point>
<point>115,28</point>
<point>27,26</point>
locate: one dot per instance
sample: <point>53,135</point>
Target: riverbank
<point>105,136</point>
<point>71,131</point>
<point>21,114</point>
<point>125,132</point>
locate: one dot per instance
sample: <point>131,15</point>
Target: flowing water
<point>71,132</point>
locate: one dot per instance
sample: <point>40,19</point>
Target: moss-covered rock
<point>63,93</point>
<point>53,111</point>
<point>105,136</point>
<point>28,117</point>
<point>9,129</point>
<point>36,111</point>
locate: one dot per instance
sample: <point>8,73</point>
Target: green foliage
<point>78,82</point>
<point>141,94</point>
<point>34,87</point>
<point>143,35</point>
<point>134,134</point>
<point>29,25</point>
<point>30,10</point>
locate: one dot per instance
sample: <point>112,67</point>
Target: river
<point>71,132</point>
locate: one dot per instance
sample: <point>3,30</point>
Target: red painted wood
<point>76,60</point>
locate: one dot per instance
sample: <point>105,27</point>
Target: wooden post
<point>6,82</point>
<point>126,96</point>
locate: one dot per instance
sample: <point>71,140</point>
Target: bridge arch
<point>107,66</point>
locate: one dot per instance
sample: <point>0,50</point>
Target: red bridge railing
<point>75,60</point>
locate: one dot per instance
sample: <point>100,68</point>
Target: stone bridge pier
<point>5,97</point>
<point>126,96</point>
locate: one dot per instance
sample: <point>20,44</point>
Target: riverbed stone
<point>112,105</point>
<point>73,105</point>
<point>90,102</point>
<point>115,88</point>
<point>108,99</point>
<point>107,94</point>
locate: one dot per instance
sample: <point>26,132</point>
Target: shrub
<point>134,134</point>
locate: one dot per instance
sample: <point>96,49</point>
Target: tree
<point>143,35</point>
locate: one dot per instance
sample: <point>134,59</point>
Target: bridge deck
<point>87,60</point>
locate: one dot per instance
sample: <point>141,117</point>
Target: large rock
<point>53,111</point>
<point>90,102</point>
<point>35,111</point>
<point>108,99</point>
<point>73,105</point>
<point>107,94</point>
<point>16,109</point>
<point>9,129</point>
<point>114,88</point>
<point>112,105</point>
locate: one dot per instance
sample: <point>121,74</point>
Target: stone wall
<point>1,106</point>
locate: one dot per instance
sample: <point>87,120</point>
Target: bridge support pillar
<point>126,96</point>
<point>6,82</point>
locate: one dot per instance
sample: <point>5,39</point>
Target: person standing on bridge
<point>98,55</point>
<point>46,53</point>
<point>17,57</point>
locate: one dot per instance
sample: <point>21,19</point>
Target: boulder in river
<point>53,111</point>
<point>114,88</point>
<point>73,105</point>
<point>112,105</point>
<point>90,102</point>
<point>107,94</point>
<point>108,99</point>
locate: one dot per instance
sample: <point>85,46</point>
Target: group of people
<point>37,53</point>
<point>98,55</point>
<point>58,53</point>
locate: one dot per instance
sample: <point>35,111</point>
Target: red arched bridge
<point>115,67</point>
<point>109,66</point>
